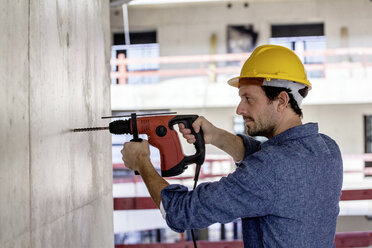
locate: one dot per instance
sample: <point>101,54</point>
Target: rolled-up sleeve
<point>248,192</point>
<point>251,145</point>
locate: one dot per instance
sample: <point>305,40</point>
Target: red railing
<point>349,239</point>
<point>207,64</point>
<point>356,194</point>
<point>342,240</point>
<point>208,162</point>
<point>201,244</point>
<point>367,171</point>
<point>137,203</point>
<point>353,239</point>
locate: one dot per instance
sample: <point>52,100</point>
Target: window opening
<point>143,45</point>
<point>301,38</point>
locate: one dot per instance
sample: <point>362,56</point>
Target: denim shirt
<point>286,191</point>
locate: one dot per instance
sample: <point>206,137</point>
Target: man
<point>286,190</point>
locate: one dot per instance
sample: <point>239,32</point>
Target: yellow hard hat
<point>273,62</point>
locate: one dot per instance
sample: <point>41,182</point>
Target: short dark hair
<point>273,92</point>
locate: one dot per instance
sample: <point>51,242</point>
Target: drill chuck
<point>120,127</point>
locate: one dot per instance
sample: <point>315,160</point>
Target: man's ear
<point>283,101</point>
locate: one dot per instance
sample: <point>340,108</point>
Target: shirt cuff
<point>162,210</point>
<point>169,195</point>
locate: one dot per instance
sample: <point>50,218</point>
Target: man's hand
<point>220,138</point>
<point>209,130</point>
<point>136,154</point>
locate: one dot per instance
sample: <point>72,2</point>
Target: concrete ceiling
<point>115,3</point>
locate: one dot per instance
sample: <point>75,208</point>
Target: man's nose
<point>240,110</point>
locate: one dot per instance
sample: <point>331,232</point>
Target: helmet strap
<point>292,85</point>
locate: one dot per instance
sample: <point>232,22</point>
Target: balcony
<point>200,81</point>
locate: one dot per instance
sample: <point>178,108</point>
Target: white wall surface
<point>186,28</point>
<point>342,122</point>
<point>55,185</point>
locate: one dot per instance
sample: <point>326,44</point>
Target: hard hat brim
<point>237,81</point>
<point>234,82</point>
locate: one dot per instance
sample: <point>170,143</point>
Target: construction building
<point>66,64</point>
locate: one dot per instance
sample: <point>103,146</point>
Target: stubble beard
<point>260,128</point>
<point>264,124</point>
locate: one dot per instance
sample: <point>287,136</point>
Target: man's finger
<point>196,126</point>
<point>183,129</point>
<point>186,131</point>
<point>190,138</point>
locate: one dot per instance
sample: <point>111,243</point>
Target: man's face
<point>258,112</point>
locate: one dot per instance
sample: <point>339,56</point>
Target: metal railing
<point>342,240</point>
<point>345,239</point>
<point>230,64</point>
<point>211,164</point>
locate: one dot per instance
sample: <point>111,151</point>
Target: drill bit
<point>89,129</point>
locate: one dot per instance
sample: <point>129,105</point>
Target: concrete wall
<point>55,185</point>
<point>353,223</point>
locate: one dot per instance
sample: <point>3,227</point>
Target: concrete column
<point>55,185</point>
<point>14,126</point>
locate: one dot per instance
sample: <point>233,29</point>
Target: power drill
<point>161,134</point>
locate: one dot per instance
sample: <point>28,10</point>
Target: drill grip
<point>199,144</point>
<point>199,156</point>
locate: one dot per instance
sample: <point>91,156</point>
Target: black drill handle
<point>187,120</point>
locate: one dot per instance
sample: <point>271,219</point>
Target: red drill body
<point>161,135</point>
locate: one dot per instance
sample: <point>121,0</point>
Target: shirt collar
<point>293,133</point>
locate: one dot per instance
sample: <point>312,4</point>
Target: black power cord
<point>196,177</point>
<point>193,238</point>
